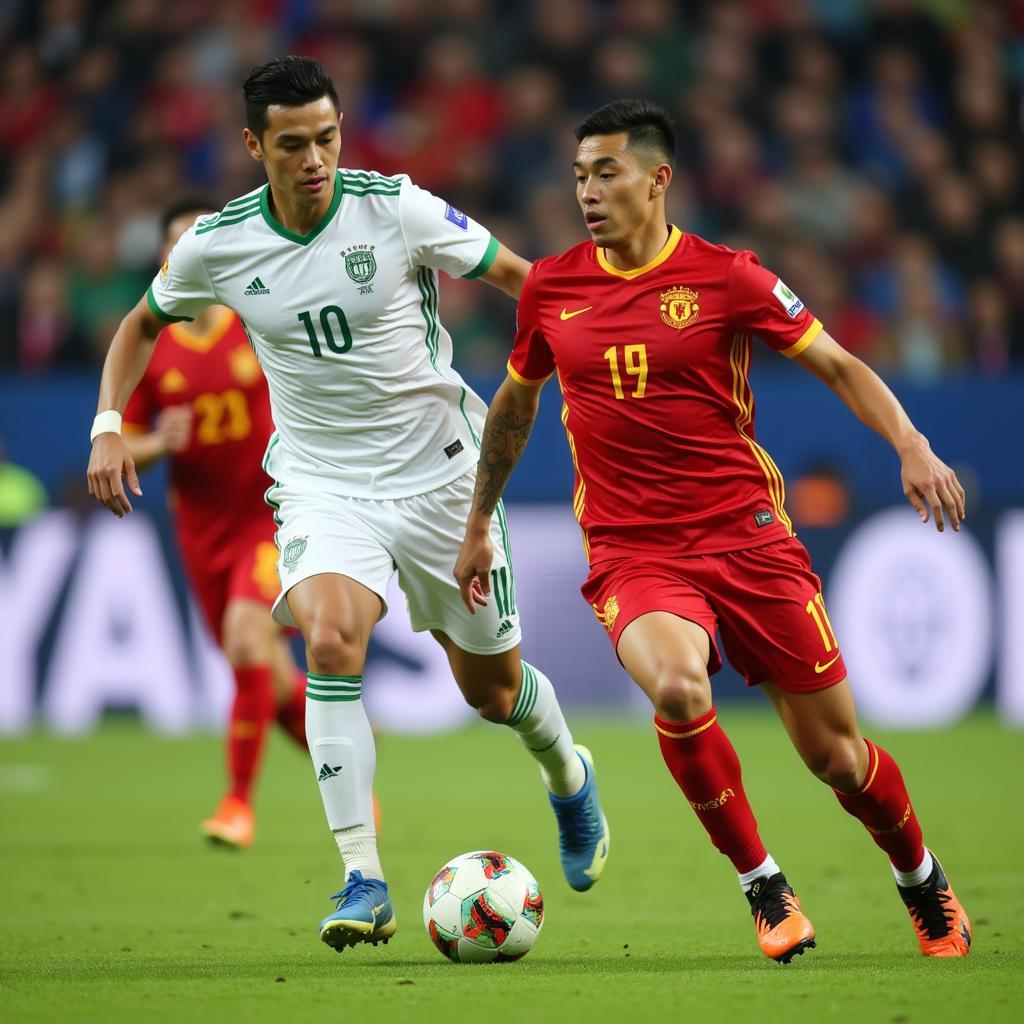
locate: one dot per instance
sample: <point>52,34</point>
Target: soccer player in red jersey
<point>203,403</point>
<point>649,330</point>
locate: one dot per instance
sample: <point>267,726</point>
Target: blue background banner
<point>972,422</point>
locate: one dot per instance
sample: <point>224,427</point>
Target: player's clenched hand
<point>108,463</point>
<point>174,425</point>
<point>472,570</point>
<point>931,486</point>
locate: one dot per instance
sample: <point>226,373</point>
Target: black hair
<point>648,126</point>
<point>188,204</point>
<point>289,81</point>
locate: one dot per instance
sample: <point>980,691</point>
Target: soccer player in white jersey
<point>334,273</point>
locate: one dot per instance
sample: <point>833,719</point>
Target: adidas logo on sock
<point>327,772</point>
<point>257,287</point>
<point>503,629</point>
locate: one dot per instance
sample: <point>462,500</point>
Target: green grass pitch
<point>113,910</point>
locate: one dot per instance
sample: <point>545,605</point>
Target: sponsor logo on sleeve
<point>787,300</point>
<point>457,217</point>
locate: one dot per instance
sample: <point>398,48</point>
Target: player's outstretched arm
<point>509,422</point>
<point>127,357</point>
<point>928,482</point>
<point>507,272</point>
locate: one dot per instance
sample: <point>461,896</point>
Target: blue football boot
<point>364,914</point>
<point>583,835</point>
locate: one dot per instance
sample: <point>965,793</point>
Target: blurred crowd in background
<point>869,150</point>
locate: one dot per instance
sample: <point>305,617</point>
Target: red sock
<point>251,714</point>
<point>707,770</point>
<point>882,805</point>
<point>291,715</point>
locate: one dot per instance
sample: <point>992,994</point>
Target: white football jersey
<point>344,322</point>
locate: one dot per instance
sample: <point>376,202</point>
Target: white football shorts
<point>419,537</point>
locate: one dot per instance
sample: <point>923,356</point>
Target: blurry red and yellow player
<point>203,404</point>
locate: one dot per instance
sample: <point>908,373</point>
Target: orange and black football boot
<point>783,931</point>
<point>940,923</point>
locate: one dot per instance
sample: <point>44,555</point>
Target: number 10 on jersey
<point>331,318</point>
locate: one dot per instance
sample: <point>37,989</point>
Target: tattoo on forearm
<point>505,437</point>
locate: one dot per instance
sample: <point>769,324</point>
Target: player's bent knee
<point>839,766</point>
<point>332,651</point>
<point>681,695</point>
<point>497,705</point>
<point>493,699</point>
<point>248,637</point>
<point>244,650</point>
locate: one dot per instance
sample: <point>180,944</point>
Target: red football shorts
<point>247,569</point>
<point>766,602</point>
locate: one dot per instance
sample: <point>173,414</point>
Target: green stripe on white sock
<point>333,688</point>
<point>538,721</point>
<point>527,697</point>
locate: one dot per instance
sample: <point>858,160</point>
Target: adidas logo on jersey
<point>503,629</point>
<point>257,287</point>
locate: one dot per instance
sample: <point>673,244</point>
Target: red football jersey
<point>660,417</point>
<point>218,480</point>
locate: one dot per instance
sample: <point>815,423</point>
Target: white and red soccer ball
<point>483,907</point>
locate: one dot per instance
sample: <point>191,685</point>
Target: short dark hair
<point>187,204</point>
<point>647,125</point>
<point>289,81</point>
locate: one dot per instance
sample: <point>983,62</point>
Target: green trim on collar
<point>294,236</point>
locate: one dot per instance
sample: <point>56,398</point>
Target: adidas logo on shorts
<point>503,629</point>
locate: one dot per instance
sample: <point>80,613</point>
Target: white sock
<point>358,849</point>
<point>344,759</point>
<point>918,875</point>
<point>765,869</point>
<point>541,726</point>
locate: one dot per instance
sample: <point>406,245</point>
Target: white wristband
<point>107,422</point>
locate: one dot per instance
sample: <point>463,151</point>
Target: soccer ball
<point>483,907</point>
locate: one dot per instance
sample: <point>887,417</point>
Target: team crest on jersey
<point>679,307</point>
<point>293,551</point>
<point>360,263</point>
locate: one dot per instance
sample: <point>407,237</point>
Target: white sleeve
<point>181,289</point>
<point>441,237</point>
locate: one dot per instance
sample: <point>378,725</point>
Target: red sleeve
<point>532,361</point>
<point>760,302</point>
<point>139,412</point>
